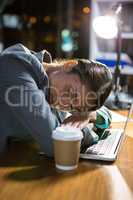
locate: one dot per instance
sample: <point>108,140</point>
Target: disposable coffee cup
<point>67,141</point>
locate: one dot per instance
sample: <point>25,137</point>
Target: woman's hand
<point>80,121</point>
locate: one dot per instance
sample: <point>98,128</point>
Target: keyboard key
<point>106,146</point>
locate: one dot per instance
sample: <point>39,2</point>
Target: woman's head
<point>79,85</point>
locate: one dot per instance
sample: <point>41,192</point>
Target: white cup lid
<point>67,133</point>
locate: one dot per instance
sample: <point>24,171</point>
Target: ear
<point>68,65</point>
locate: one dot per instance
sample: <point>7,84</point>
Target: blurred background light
<point>67,47</point>
<point>47,19</point>
<point>105,26</point>
<point>86,10</point>
<point>65,33</point>
<point>67,42</point>
<point>11,21</point>
<point>33,20</point>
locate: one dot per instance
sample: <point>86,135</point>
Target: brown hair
<point>97,76</point>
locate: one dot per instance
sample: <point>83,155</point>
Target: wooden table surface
<point>25,175</point>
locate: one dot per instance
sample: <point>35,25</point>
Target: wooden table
<point>24,175</point>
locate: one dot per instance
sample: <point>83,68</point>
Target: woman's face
<point>68,93</point>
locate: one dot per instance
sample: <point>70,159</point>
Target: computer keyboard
<point>106,146</point>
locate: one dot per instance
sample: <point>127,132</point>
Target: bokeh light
<point>86,10</point>
<point>105,26</point>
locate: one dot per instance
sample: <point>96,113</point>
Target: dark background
<point>41,22</point>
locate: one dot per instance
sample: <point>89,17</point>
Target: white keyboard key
<point>106,146</point>
<point>113,148</point>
